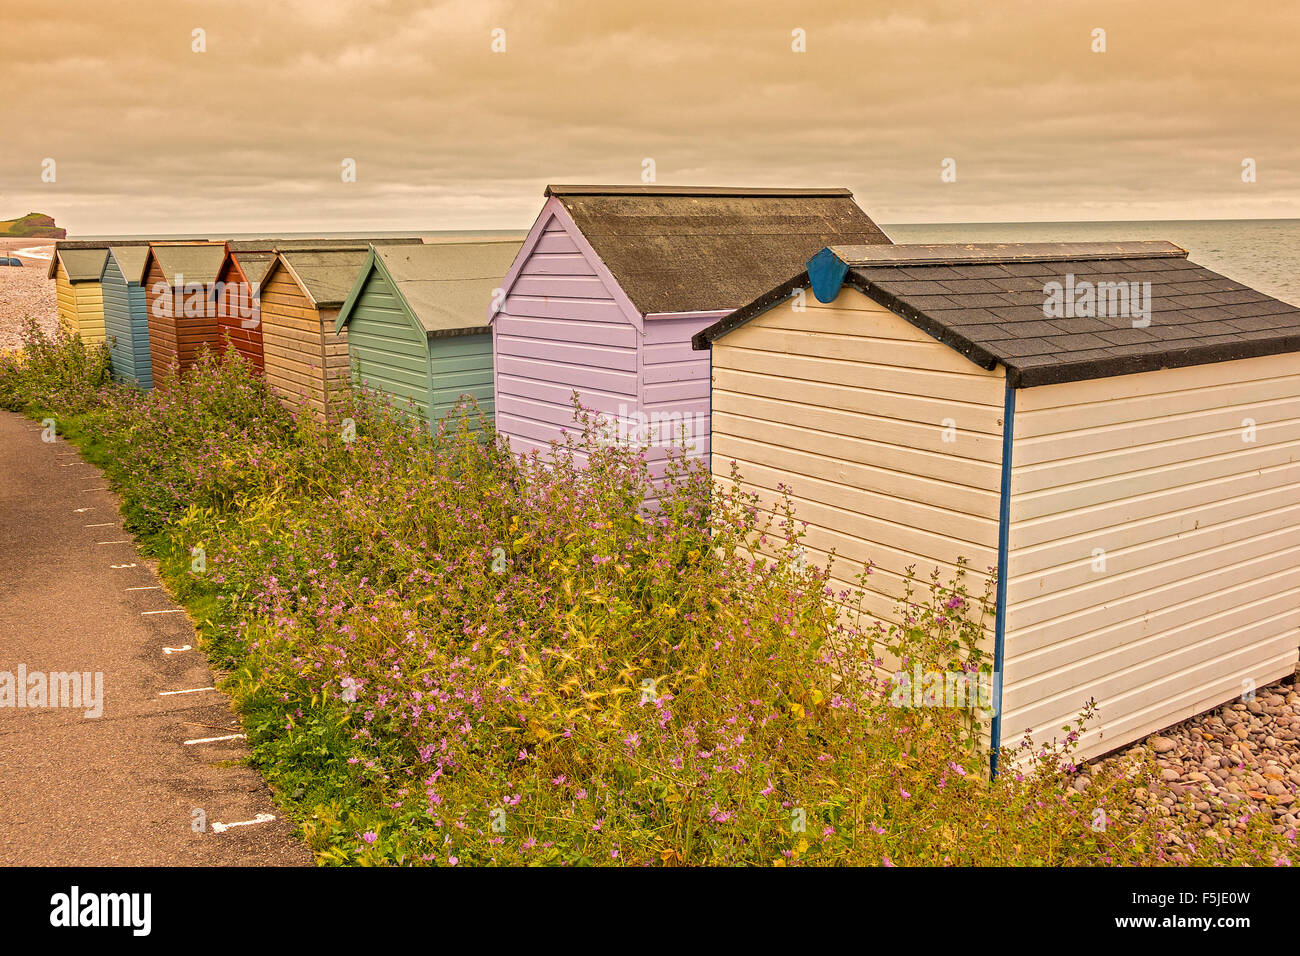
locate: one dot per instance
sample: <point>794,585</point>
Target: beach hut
<point>178,277</point>
<point>126,312</point>
<point>76,268</point>
<point>239,284</point>
<point>238,293</point>
<point>305,358</point>
<point>417,323</point>
<point>612,282</point>
<point>1109,425</point>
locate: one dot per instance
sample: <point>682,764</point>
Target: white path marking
<point>172,611</point>
<point>147,587</point>
<point>123,541</point>
<point>213,740</point>
<point>260,818</point>
<point>105,524</point>
<point>192,690</point>
<point>175,650</point>
<point>121,565</point>
<point>77,511</point>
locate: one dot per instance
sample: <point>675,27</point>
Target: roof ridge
<point>654,189</point>
<point>971,253</point>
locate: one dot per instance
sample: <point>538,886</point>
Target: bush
<point>444,653</point>
<point>52,373</point>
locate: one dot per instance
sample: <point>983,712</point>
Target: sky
<point>254,132</point>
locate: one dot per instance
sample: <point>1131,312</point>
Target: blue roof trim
<point>826,272</point>
<point>1004,537</point>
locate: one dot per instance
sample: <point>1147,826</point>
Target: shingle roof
<point>131,260</point>
<point>990,302</point>
<point>65,248</point>
<point>697,249</point>
<point>271,243</point>
<point>254,264</point>
<point>448,286</point>
<point>83,265</point>
<point>189,262</point>
<point>327,273</point>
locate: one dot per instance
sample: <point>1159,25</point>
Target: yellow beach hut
<point>76,268</point>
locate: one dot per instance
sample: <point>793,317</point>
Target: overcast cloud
<point>150,137</point>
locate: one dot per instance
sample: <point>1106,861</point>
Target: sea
<point>1262,253</point>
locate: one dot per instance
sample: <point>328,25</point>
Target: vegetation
<point>446,654</point>
<point>34,224</point>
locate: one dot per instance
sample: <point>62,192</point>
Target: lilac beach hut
<point>613,281</point>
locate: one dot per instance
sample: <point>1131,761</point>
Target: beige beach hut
<point>305,360</point>
<point>1111,426</point>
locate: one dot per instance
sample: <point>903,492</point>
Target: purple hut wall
<point>560,329</point>
<point>565,326</point>
<point>675,383</point>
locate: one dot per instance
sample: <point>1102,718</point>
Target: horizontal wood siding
<point>388,352</point>
<point>461,365</point>
<point>1154,546</point>
<point>117,323</point>
<point>90,312</point>
<point>675,388</point>
<point>177,338</point>
<point>305,361</point>
<point>80,307</point>
<point>846,404</point>
<point>139,310</point>
<point>67,301</point>
<point>239,319</point>
<point>560,331</point>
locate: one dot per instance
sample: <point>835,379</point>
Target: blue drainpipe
<point>1004,532</point>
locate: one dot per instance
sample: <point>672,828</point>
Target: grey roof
<point>448,286</point>
<point>83,265</point>
<point>254,264</point>
<point>328,273</point>
<point>272,243</point>
<point>131,260</point>
<point>697,249</point>
<point>189,262</point>
<point>64,248</point>
<point>989,302</point>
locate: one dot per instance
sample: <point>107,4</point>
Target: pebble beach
<point>1242,756</point>
<point>25,291</point>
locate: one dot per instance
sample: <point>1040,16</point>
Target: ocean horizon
<point>1262,253</point>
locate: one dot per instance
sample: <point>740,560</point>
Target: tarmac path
<point>123,788</point>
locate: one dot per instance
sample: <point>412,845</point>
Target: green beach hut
<point>126,313</point>
<point>417,322</point>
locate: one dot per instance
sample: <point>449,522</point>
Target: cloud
<point>249,135</point>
